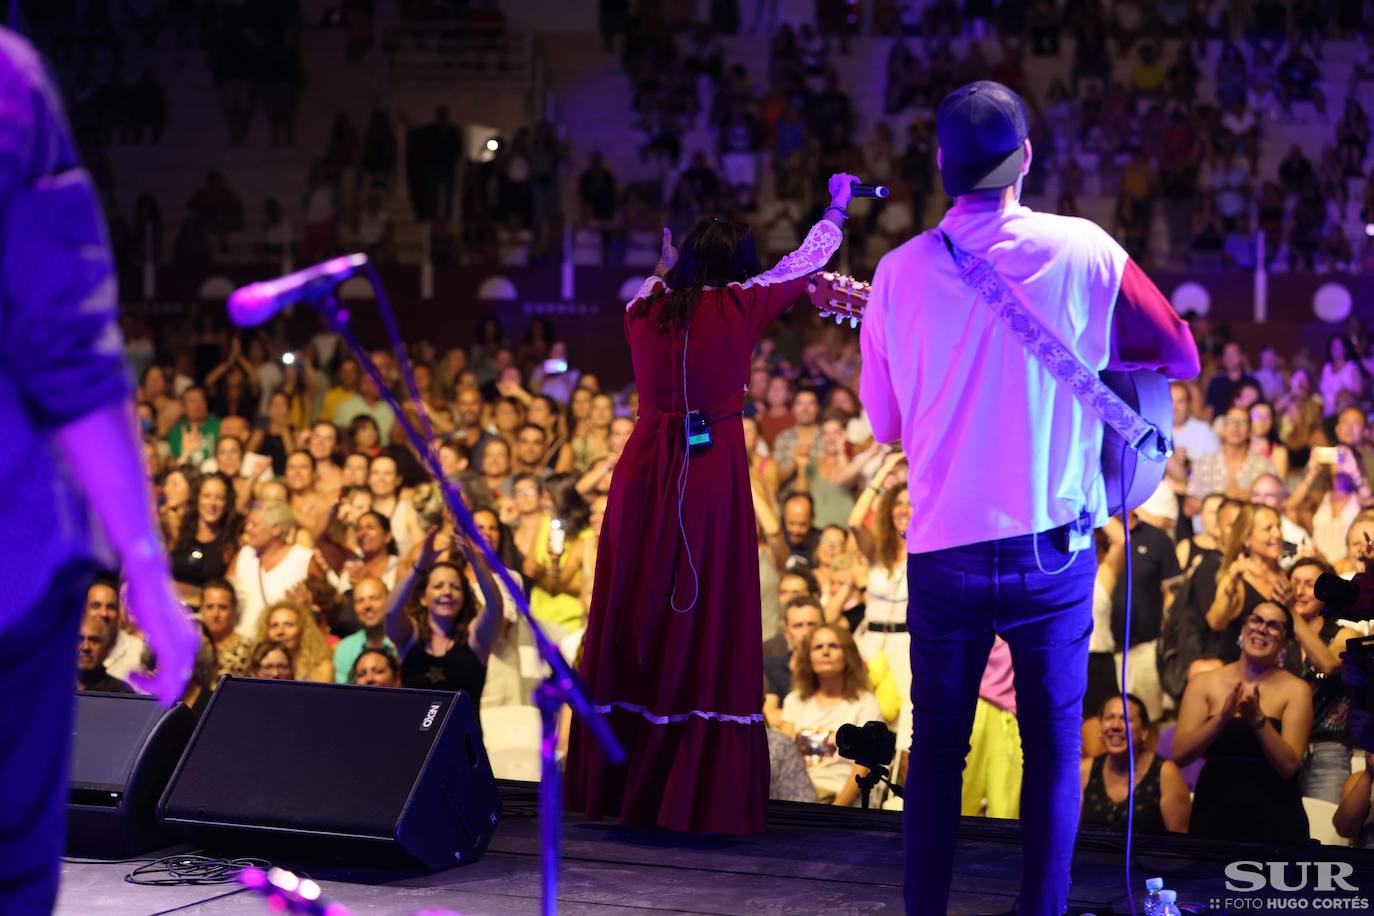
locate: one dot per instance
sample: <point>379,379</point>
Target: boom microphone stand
<point>562,685</point>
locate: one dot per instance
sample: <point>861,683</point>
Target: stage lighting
<point>493,144</point>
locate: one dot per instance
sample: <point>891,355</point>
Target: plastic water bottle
<point>1152,905</point>
<point>1168,903</point>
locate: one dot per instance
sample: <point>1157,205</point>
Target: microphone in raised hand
<point>878,191</point>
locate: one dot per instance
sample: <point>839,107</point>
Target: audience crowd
<point>311,544</point>
<point>1164,113</point>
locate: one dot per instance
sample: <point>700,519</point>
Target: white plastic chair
<point>511,734</point>
<point>1319,815</point>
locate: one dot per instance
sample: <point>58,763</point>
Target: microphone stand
<point>562,684</point>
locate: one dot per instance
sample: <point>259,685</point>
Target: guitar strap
<point>1059,360</point>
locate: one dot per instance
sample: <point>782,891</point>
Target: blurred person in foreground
<point>67,412</point>
<point>1022,550</point>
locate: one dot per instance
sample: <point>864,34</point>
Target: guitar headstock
<point>839,296</point>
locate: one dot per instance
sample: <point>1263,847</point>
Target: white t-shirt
<point>257,589</point>
<point>1334,382</point>
<point>1197,438</point>
<point>828,770</point>
<point>1101,639</point>
<point>942,372</point>
<point>126,656</point>
<point>886,593</point>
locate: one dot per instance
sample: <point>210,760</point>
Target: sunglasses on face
<point>1272,627</point>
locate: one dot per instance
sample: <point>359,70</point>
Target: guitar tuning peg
<point>839,319</point>
<point>853,321</point>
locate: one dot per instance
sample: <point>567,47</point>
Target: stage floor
<point>810,860</point>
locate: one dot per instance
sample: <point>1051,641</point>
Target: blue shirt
<point>61,351</point>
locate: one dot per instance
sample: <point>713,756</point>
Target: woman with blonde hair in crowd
<point>841,572</point>
<point>289,625</point>
<point>1317,659</point>
<point>883,544</point>
<point>829,689</point>
<point>1250,575</point>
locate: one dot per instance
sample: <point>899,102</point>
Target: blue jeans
<point>38,682</point>
<point>1325,769</point>
<point>958,599</point>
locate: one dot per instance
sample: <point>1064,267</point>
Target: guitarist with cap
<point>1006,471</point>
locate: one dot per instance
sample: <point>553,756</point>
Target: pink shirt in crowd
<point>998,686</point>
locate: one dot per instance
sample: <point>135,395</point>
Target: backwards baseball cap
<point>982,132</point>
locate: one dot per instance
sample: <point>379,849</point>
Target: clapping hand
<point>1363,553</point>
<point>1282,593</point>
<point>429,552</point>
<point>1233,701</point>
<point>1248,705</point>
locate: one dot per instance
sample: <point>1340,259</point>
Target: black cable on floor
<point>192,870</point>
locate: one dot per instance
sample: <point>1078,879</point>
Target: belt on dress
<point>875,627</point>
<point>718,412</point>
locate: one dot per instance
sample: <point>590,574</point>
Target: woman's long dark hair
<point>715,253</point>
<point>231,525</point>
<point>568,504</point>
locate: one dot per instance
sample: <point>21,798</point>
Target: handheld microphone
<point>868,190</point>
<point>257,302</point>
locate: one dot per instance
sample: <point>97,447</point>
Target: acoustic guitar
<point>1130,470</point>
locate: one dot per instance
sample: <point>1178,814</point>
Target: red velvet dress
<point>683,688</point>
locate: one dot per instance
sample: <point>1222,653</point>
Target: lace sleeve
<point>816,249</point>
<point>645,289</point>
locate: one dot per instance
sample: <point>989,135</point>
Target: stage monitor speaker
<point>124,749</point>
<point>375,777</point>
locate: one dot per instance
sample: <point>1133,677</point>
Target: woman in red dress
<point>673,649</point>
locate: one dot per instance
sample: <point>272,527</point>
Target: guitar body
<point>1147,392</point>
